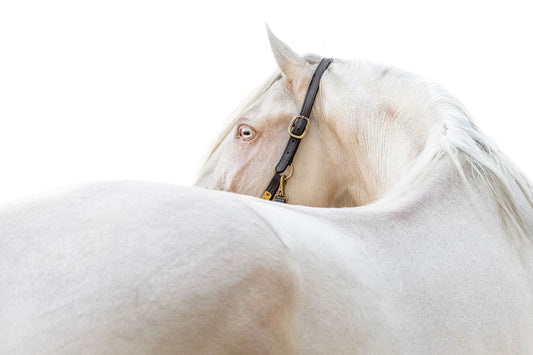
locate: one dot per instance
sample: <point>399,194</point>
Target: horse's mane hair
<point>455,136</point>
<point>474,154</point>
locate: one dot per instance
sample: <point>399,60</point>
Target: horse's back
<point>142,268</point>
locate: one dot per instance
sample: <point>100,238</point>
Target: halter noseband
<point>297,130</point>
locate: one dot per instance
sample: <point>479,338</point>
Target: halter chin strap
<point>297,130</point>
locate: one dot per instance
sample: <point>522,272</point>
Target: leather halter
<point>297,130</point>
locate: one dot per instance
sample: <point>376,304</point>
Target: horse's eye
<point>246,132</point>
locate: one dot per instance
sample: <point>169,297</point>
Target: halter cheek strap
<point>297,130</point>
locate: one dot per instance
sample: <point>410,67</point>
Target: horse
<point>406,230</point>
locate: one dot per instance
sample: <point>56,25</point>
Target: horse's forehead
<point>275,102</point>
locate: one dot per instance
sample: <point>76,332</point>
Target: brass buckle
<point>291,126</point>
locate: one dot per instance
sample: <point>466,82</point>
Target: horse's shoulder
<point>177,253</point>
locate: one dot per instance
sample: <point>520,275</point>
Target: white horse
<point>434,254</point>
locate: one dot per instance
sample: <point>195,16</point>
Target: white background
<point>96,90</point>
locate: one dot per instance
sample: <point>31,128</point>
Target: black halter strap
<point>297,131</point>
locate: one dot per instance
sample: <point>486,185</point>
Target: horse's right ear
<point>295,68</point>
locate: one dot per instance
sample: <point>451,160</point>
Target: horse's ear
<point>295,68</point>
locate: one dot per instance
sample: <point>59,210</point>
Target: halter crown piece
<point>297,130</point>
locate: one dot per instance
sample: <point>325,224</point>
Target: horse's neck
<point>443,212</point>
<point>382,156</point>
<point>387,136</point>
<point>451,199</point>
<point>393,158</point>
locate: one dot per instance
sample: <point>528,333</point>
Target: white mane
<point>452,135</point>
<point>455,136</point>
<point>476,155</point>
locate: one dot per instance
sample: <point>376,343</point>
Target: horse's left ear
<point>295,68</point>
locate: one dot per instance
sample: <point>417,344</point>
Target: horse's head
<point>365,131</point>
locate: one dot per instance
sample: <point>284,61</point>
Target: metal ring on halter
<point>291,126</point>
<point>287,177</point>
